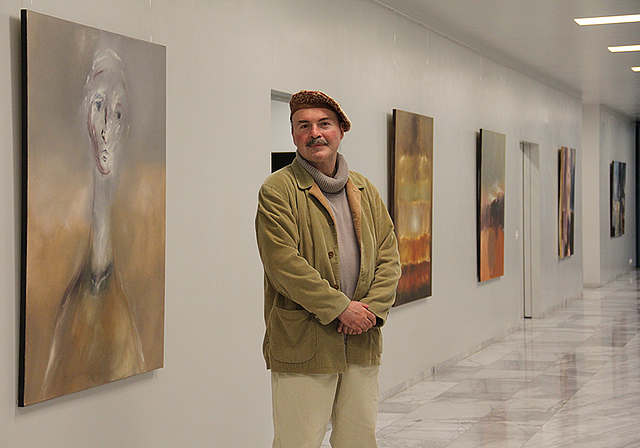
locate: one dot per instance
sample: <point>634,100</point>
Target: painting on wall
<point>618,179</point>
<point>566,200</point>
<point>491,185</point>
<point>411,201</point>
<point>93,281</point>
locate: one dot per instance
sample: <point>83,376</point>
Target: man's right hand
<point>357,317</point>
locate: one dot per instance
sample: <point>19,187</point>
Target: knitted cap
<point>308,99</point>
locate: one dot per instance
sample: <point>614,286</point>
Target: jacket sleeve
<point>290,273</point>
<point>382,293</point>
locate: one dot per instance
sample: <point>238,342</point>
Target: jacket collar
<point>305,180</point>
<point>354,189</point>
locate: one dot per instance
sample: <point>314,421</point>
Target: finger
<point>368,320</point>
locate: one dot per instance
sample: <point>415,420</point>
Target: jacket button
<point>336,287</point>
<point>331,254</point>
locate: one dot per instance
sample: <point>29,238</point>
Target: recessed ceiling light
<point>623,48</point>
<point>608,20</point>
<point>635,69</point>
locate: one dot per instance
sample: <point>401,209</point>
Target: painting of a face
<point>92,304</point>
<point>107,114</point>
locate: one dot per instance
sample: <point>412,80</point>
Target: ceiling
<point>540,38</point>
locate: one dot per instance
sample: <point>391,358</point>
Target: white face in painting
<point>107,117</point>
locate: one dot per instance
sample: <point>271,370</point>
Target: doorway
<point>531,226</point>
<point>283,150</point>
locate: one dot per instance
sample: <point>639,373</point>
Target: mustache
<point>317,141</point>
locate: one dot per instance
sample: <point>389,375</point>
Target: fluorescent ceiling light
<point>624,48</point>
<point>635,69</point>
<point>608,20</point>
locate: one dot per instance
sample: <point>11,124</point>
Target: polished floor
<point>570,379</point>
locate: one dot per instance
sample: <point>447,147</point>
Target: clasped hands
<point>356,319</point>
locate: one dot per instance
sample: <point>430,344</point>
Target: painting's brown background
<point>59,186</point>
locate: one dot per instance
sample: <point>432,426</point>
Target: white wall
<point>592,228</point>
<point>607,137</point>
<point>223,59</point>
<point>617,143</point>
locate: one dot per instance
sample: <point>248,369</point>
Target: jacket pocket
<point>293,336</point>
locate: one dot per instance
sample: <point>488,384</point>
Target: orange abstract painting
<point>491,183</point>
<point>412,185</point>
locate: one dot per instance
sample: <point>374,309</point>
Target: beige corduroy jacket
<point>298,244</point>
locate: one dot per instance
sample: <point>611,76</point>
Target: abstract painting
<point>411,202</point>
<point>491,183</point>
<point>566,200</point>
<point>618,179</point>
<point>92,302</point>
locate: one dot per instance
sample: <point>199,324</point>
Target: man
<point>331,269</point>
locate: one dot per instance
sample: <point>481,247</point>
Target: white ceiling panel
<point>541,39</point>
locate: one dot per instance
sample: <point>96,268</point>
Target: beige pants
<point>303,405</point>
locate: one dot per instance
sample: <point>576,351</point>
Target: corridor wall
<point>607,136</point>
<point>223,59</point>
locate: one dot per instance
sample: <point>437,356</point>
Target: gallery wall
<point>223,59</point>
<point>594,223</point>
<point>617,143</point>
<point>607,137</point>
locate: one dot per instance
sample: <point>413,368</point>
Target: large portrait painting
<point>491,183</point>
<point>566,202</point>
<point>618,179</point>
<point>92,306</point>
<point>411,202</point>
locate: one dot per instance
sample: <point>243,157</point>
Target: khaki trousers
<point>303,404</point>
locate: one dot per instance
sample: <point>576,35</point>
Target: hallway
<point>570,379</point>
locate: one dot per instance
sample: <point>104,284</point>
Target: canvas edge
<point>478,203</point>
<point>23,218</point>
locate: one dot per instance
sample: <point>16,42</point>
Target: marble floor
<point>570,379</point>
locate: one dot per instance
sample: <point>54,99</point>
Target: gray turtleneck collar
<point>327,184</point>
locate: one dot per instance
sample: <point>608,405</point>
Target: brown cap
<point>308,99</point>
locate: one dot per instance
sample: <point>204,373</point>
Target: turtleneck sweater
<point>333,189</point>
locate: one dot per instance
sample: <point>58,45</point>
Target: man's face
<point>107,119</point>
<point>317,134</point>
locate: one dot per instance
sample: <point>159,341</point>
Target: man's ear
<point>342,131</point>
